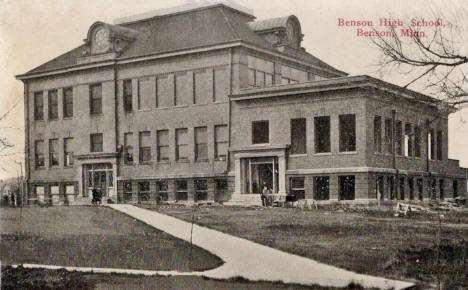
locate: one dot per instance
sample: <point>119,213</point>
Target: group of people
<point>97,196</point>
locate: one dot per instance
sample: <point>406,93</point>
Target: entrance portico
<point>256,167</point>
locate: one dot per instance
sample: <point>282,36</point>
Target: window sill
<point>323,154</point>
<point>202,160</point>
<point>68,166</point>
<point>163,162</point>
<point>347,153</point>
<point>144,110</point>
<point>298,155</point>
<point>260,144</point>
<point>96,114</point>
<point>220,158</point>
<point>145,163</point>
<point>67,118</point>
<point>55,119</point>
<point>40,168</point>
<point>182,161</point>
<point>129,164</point>
<point>54,167</point>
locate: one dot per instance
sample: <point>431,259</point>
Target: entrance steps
<point>244,200</point>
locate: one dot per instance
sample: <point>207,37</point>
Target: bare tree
<point>434,56</point>
<point>4,143</point>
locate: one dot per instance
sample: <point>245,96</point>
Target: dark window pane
<point>347,133</point>
<point>53,105</point>
<point>298,136</point>
<point>95,99</point>
<point>68,102</point>
<point>260,132</point>
<point>347,187</point>
<point>322,134</point>
<point>38,106</point>
<point>389,136</point>
<point>96,143</point>
<point>201,145</point>
<point>322,188</point>
<point>439,145</point>
<point>378,134</point>
<point>128,95</point>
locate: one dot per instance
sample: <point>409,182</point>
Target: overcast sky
<point>35,31</point>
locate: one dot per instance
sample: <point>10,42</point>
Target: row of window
<point>347,133</point>
<point>415,188</point>
<point>53,104</point>
<point>145,142</point>
<point>200,187</point>
<point>408,139</point>
<point>261,73</point>
<point>346,187</point>
<point>177,89</point>
<point>54,152</point>
<point>321,187</point>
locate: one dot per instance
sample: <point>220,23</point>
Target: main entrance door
<point>99,176</point>
<point>260,172</point>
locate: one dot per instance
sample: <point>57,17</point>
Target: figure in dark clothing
<point>96,197</point>
<point>263,196</point>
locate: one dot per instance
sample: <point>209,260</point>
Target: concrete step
<point>244,200</point>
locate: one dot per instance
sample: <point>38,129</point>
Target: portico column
<point>237,176</point>
<point>282,175</point>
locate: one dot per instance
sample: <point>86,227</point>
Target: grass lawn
<point>374,243</point>
<point>92,237</point>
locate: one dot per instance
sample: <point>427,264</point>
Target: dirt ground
<point>366,241</point>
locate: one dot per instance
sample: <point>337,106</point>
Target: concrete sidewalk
<point>253,261</point>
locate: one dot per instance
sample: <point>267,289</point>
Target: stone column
<point>282,175</point>
<point>237,176</point>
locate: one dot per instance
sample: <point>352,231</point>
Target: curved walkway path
<point>252,261</point>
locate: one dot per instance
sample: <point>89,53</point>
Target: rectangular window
<point>202,90</point>
<point>379,187</point>
<point>183,90</point>
<point>455,188</point>
<point>439,145</point>
<point>201,144</point>
<point>53,152</point>
<point>144,191</point>
<point>260,132</point>
<point>409,137</point>
<point>401,184</point>
<point>298,136</point>
<point>389,136</point>
<point>68,151</point>
<point>181,190</point>
<point>68,102</point>
<point>220,84</point>
<point>347,128</point>
<point>378,134</point>
<point>417,141</point>
<point>164,92</point>
<point>128,95</point>
<point>163,145</point>
<point>128,148</point>
<point>297,187</point>
<point>201,189</point>
<point>251,77</point>
<point>145,146</point>
<point>181,144</point>
<point>432,185</point>
<point>431,142</point>
<point>95,100</point>
<point>441,189</point>
<point>96,142</point>
<point>221,142</point>
<point>53,105</point>
<point>420,187</point>
<point>322,188</point>
<point>391,187</point>
<point>411,188</point>
<point>347,187</point>
<point>38,106</point>
<point>162,189</point>
<point>398,138</point>
<point>39,153</point>
<point>128,191</point>
<point>322,134</point>
<point>221,188</point>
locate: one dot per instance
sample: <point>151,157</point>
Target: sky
<point>35,31</point>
